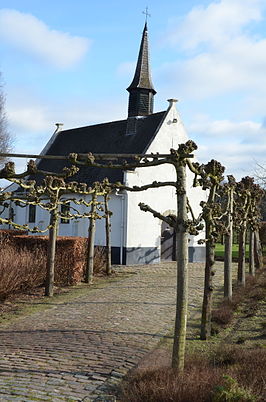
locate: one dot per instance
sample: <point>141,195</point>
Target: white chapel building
<point>136,236</point>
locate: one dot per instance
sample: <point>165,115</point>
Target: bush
<point>255,291</point>
<point>70,256</point>
<point>69,259</point>
<point>20,270</point>
<point>231,391</point>
<point>167,385</point>
<point>229,373</point>
<point>8,234</point>
<point>224,314</point>
<point>249,370</point>
<point>23,261</point>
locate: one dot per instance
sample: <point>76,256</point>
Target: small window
<point>65,209</point>
<point>32,213</point>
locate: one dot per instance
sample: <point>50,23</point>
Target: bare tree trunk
<point>228,266</point>
<point>91,240</point>
<point>49,282</point>
<point>178,355</point>
<point>205,331</point>
<point>241,276</point>
<point>107,235</point>
<point>228,242</point>
<point>257,250</point>
<point>251,253</point>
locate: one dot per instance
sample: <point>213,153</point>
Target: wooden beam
<point>96,156</point>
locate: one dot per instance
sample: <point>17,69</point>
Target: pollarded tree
<point>228,192</point>
<point>248,197</point>
<point>254,219</point>
<point>211,179</point>
<point>242,205</point>
<point>51,195</point>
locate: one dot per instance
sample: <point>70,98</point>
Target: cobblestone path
<point>77,349</point>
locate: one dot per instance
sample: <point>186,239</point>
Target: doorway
<point>168,243</point>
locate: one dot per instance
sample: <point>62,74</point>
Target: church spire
<point>141,89</point>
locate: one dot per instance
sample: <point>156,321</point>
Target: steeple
<point>141,89</point>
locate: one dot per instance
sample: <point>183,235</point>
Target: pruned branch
<point>169,220</point>
<point>154,184</point>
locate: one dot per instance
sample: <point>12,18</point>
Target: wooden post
<point>178,354</point>
<point>107,236</point>
<point>228,242</point>
<point>49,282</point>
<point>91,239</point>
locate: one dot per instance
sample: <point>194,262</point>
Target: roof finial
<point>147,14</point>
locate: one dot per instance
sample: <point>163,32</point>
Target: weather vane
<point>146,13</point>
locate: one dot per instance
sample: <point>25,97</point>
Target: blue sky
<point>71,62</point>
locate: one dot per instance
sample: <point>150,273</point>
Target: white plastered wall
<point>143,229</point>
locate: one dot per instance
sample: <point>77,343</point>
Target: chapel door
<point>168,243</point>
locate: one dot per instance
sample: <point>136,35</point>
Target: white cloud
<point>29,117</point>
<point>224,129</point>
<point>238,66</point>
<point>239,160</point>
<point>226,57</point>
<point>29,34</point>
<point>237,145</point>
<point>216,23</point>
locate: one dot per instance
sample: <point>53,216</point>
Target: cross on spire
<point>146,13</point>
<point>141,91</point>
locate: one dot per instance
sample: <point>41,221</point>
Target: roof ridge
<point>110,122</point>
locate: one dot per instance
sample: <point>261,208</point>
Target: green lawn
<point>219,250</point>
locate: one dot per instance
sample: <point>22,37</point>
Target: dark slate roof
<point>102,138</point>
<point>142,77</point>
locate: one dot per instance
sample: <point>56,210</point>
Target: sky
<point>70,62</point>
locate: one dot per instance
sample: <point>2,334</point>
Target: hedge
<point>70,256</point>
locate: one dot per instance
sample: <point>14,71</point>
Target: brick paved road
<point>76,350</point>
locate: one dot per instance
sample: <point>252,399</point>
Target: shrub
<point>224,314</point>
<point>249,370</point>
<point>244,369</point>
<point>20,270</point>
<point>23,261</point>
<point>232,392</point>
<point>229,373</point>
<point>165,384</point>
<point>255,291</point>
<point>8,234</point>
<point>70,258</point>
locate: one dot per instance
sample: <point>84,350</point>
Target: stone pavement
<point>77,350</point>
